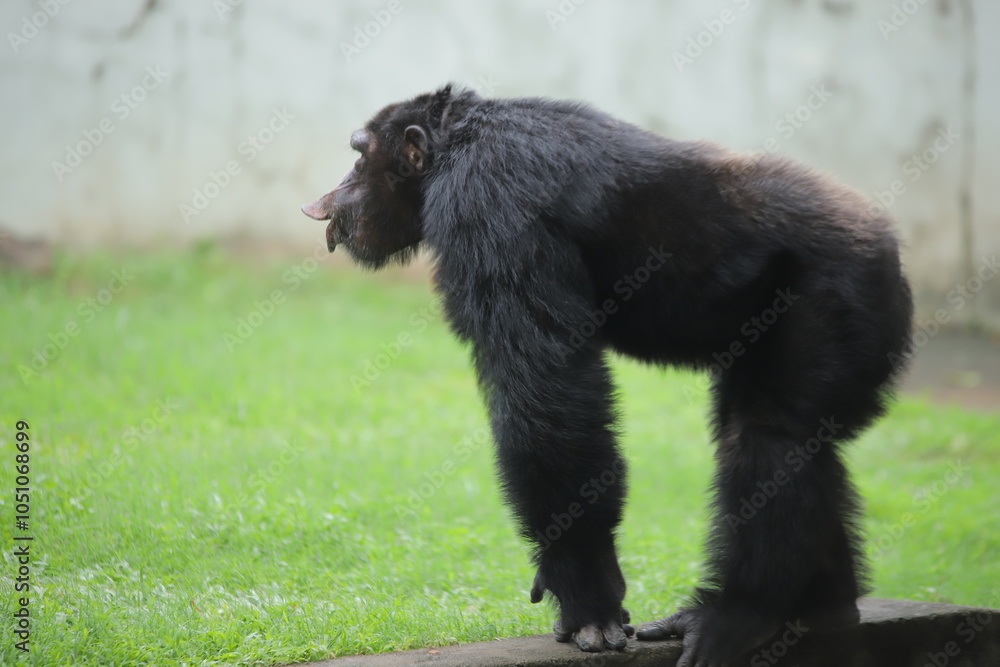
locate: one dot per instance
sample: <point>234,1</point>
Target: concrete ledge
<point>891,633</point>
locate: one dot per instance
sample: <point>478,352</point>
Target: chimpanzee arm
<point>523,301</point>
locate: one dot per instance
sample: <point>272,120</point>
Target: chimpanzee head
<point>375,211</point>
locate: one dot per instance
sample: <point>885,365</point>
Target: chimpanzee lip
<point>331,236</point>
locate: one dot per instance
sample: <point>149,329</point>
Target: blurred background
<point>245,451</point>
<point>151,122</point>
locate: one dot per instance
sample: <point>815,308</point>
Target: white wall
<point>887,94</point>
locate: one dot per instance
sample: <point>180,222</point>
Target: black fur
<point>558,233</point>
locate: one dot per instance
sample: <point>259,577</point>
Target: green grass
<point>197,504</point>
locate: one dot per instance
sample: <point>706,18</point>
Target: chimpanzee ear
<point>415,147</point>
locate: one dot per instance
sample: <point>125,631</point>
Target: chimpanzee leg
<point>564,477</point>
<point>783,549</point>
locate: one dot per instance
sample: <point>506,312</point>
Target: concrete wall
<point>164,95</point>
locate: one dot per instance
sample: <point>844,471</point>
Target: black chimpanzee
<point>559,232</point>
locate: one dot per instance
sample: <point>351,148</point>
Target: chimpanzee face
<point>375,211</point>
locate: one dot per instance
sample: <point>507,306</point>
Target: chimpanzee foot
<point>684,625</point>
<point>711,638</point>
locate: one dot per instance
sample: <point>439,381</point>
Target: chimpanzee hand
<point>592,637</point>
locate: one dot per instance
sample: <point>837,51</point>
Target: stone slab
<point>892,633</point>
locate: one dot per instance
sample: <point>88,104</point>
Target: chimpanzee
<point>558,233</point>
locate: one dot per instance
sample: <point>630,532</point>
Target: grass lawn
<point>205,493</point>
